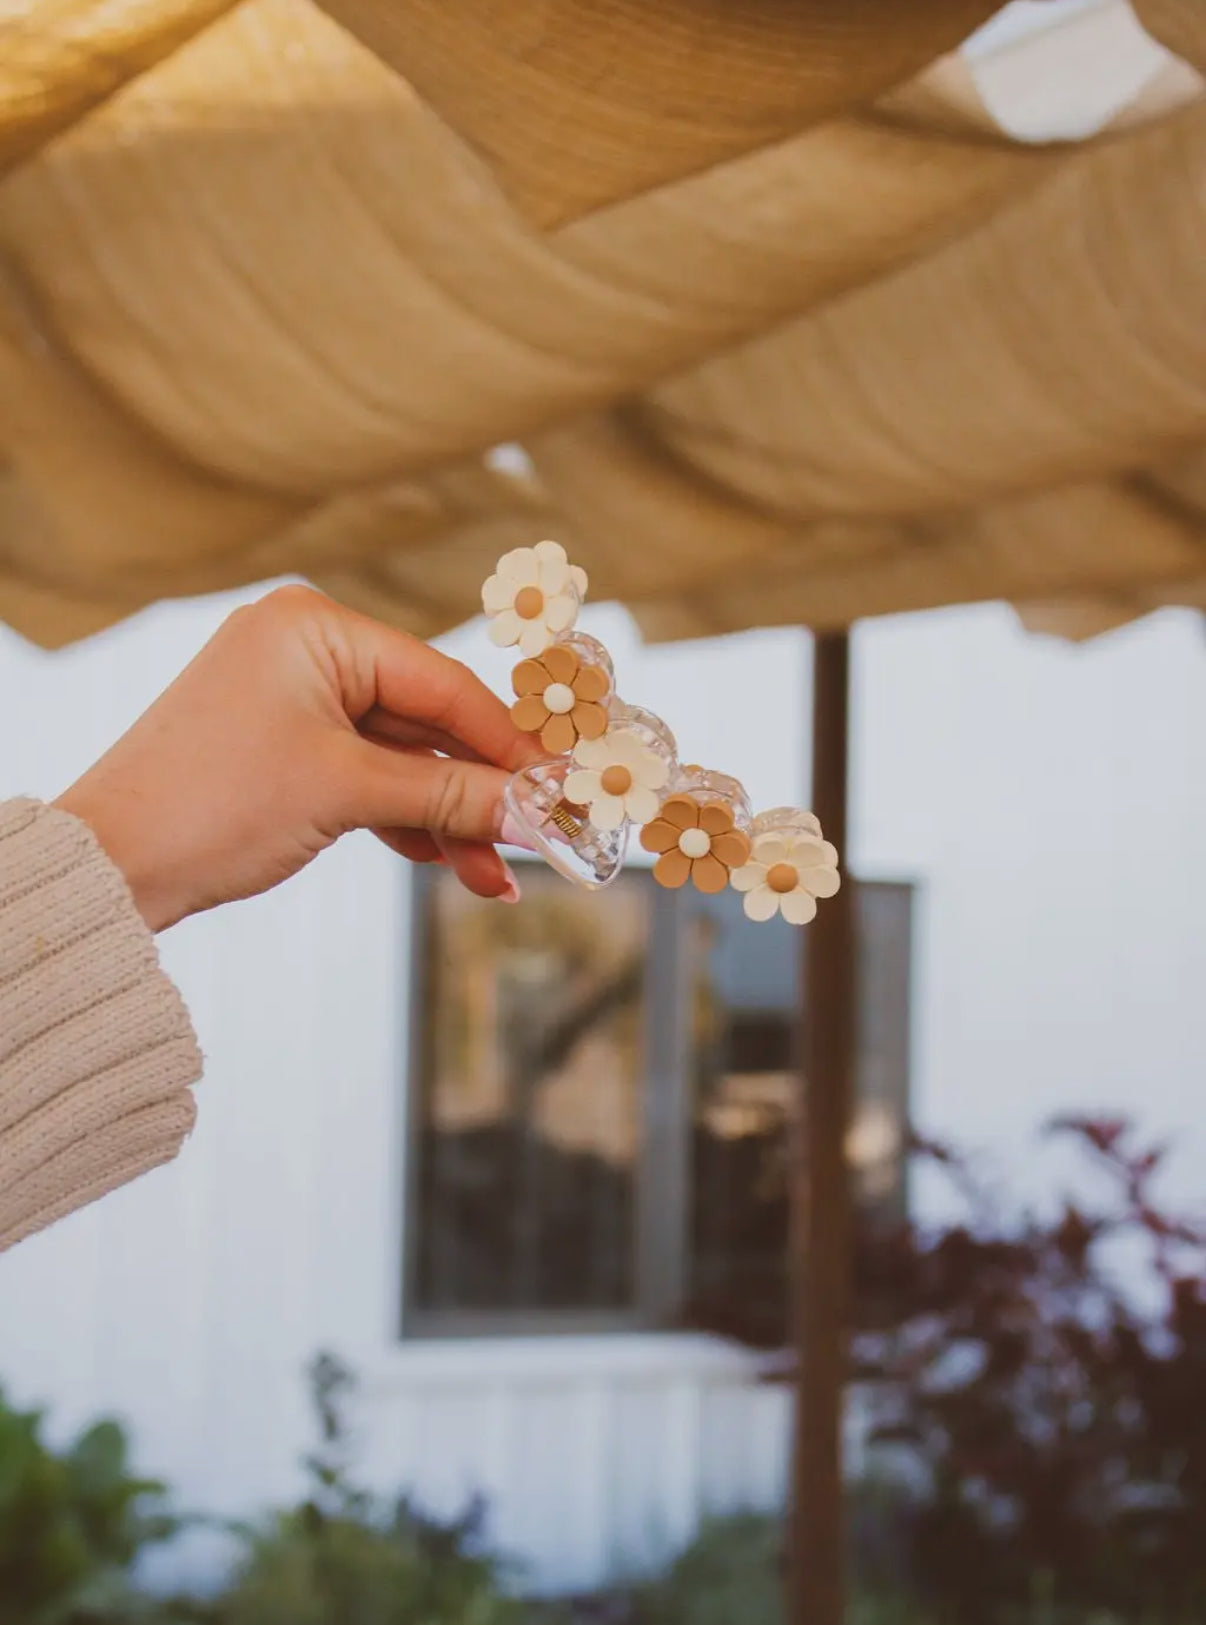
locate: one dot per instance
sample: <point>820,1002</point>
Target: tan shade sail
<point>274,279</point>
<point>582,103</point>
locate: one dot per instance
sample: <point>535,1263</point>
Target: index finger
<point>420,684</point>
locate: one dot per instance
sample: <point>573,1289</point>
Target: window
<point>743,1082</point>
<point>600,1105</point>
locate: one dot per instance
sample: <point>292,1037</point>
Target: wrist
<point>124,842</point>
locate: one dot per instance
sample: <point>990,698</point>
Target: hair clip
<point>562,694</point>
<point>560,828</point>
<point>791,865</point>
<point>700,831</point>
<point>613,767</point>
<point>619,776</point>
<point>579,809</point>
<point>534,595</point>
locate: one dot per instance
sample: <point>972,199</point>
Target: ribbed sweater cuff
<point>97,1053</point>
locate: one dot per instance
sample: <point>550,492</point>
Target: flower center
<point>529,601</point>
<point>783,878</point>
<point>695,843</point>
<point>616,780</point>
<point>560,699</point>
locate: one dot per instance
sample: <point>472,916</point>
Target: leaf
<point>98,1459</point>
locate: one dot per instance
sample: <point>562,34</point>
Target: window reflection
<point>530,1098</point>
<point>744,1096</point>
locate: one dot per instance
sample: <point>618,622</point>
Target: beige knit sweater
<point>96,1050</point>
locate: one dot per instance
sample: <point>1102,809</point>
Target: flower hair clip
<point>534,595</point>
<point>613,767</point>
<point>580,809</point>
<point>790,866</point>
<point>617,778</point>
<point>699,832</point>
<point>562,694</point>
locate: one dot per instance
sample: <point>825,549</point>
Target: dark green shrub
<point>71,1523</point>
<point>732,1573</point>
<point>345,1558</point>
<point>345,1571</point>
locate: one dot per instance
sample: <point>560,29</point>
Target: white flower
<point>786,874</point>
<point>533,596</point>
<point>617,779</point>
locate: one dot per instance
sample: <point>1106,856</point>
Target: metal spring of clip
<point>565,821</point>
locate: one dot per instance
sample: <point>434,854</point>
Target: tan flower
<point>559,699</point>
<point>697,842</point>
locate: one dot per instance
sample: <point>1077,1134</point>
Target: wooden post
<point>821,1239</point>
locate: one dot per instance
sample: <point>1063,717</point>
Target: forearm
<point>97,1053</point>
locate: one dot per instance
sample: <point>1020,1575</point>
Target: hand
<point>297,722</point>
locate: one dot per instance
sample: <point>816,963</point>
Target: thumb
<point>464,800</point>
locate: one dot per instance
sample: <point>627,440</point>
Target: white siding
<point>1052,802</point>
<point>599,1454</point>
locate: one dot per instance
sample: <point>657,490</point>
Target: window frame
<point>662,1228</point>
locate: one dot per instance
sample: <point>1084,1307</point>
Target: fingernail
<point>513,833</point>
<point>512,893</point>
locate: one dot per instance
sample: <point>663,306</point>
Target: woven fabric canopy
<point>784,310</point>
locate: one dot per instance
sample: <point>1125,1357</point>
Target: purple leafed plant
<point>1051,1404</point>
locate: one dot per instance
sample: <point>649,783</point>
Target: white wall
<point>1052,802</point>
